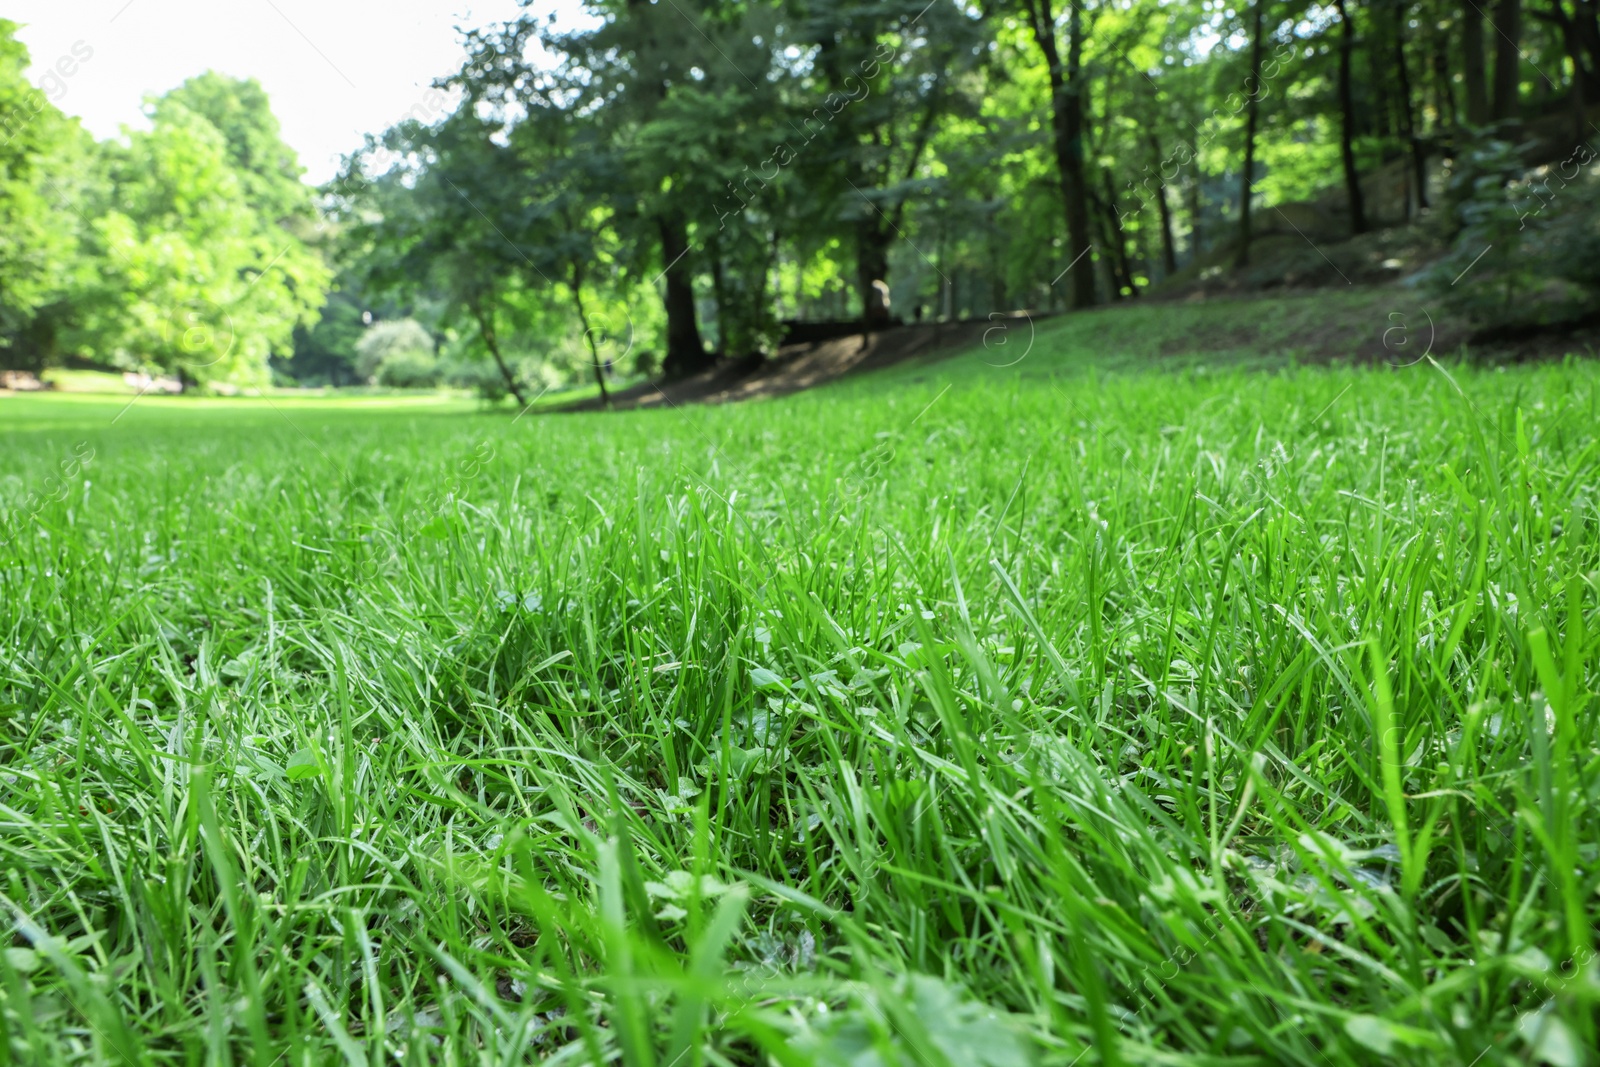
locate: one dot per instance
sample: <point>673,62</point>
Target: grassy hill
<point>1149,699</point>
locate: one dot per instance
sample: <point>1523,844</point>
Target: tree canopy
<point>765,161</point>
<point>186,248</point>
<point>678,182</point>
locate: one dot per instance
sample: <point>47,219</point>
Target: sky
<point>334,69</point>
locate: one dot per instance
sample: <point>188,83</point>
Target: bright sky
<point>335,69</point>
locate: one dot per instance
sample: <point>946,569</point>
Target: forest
<point>678,183</point>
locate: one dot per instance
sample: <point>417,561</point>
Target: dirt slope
<point>802,366</point>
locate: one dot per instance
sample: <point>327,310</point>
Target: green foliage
<point>268,170</point>
<point>41,151</point>
<point>402,340</point>
<point>507,236</point>
<point>474,374</point>
<point>1297,166</point>
<point>1528,243</point>
<point>409,369</point>
<point>572,199</point>
<point>806,155</point>
<point>183,248</point>
<point>325,353</point>
<point>195,281</point>
<point>1572,191</point>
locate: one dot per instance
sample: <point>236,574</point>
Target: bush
<point>404,342</point>
<point>647,363</point>
<point>409,369</point>
<point>1528,243</point>
<point>484,378</point>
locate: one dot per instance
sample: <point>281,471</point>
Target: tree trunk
<point>872,268</point>
<point>1507,58</point>
<point>1580,33</point>
<point>1444,91</point>
<point>1347,115</point>
<point>1382,115</point>
<point>1473,64</point>
<point>877,230</point>
<point>588,334</point>
<point>1114,280</point>
<point>1586,27</point>
<point>1119,265</point>
<point>686,353</point>
<point>1067,122</point>
<point>1196,212</point>
<point>1408,119</point>
<point>1169,254</point>
<point>1580,110</point>
<point>492,343</point>
<point>719,293</point>
<point>1252,117</point>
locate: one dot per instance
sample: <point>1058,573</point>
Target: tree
<point>1473,63</point>
<point>1408,115</point>
<point>501,219</point>
<point>640,53</point>
<point>1580,35</point>
<point>181,248</point>
<point>1507,58</point>
<point>1347,121</point>
<point>44,168</point>
<point>1067,130</point>
<point>268,170</point>
<point>618,78</point>
<point>1253,111</point>
<point>749,157</point>
<point>419,229</point>
<point>886,76</point>
<point>324,353</point>
<point>193,280</point>
<point>1169,253</point>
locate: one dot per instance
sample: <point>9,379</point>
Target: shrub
<point>482,377</point>
<point>409,369</point>
<point>1528,240</point>
<point>402,340</point>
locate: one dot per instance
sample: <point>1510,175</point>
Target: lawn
<point>1085,710</point>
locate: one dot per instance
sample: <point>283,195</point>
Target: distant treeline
<point>670,183</point>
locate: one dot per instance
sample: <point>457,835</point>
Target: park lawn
<point>1084,710</point>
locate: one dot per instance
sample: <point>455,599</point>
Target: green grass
<point>1063,713</point>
